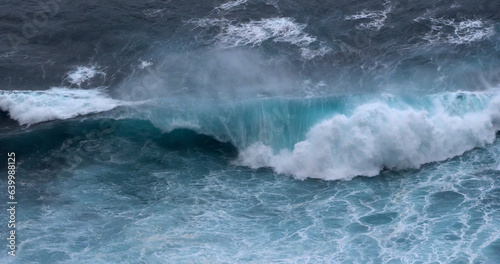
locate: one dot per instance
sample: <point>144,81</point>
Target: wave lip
<point>31,107</point>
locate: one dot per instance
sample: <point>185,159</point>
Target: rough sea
<point>251,131</point>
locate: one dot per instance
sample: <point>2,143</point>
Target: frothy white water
<point>83,74</point>
<point>145,64</point>
<point>457,32</point>
<point>31,107</point>
<point>280,29</point>
<point>376,136</point>
<point>377,18</point>
<point>254,33</point>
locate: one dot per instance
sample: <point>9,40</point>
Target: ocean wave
<point>330,138</point>
<point>338,138</point>
<point>31,107</point>
<point>377,136</point>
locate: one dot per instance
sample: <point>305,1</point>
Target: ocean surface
<point>251,131</point>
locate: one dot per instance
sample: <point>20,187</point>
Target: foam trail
<point>376,136</point>
<point>31,107</point>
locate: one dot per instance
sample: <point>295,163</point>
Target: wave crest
<point>377,136</point>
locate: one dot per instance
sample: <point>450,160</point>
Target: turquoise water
<point>95,189</point>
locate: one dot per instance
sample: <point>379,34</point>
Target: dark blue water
<point>252,131</point>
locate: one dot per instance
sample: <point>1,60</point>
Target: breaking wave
<point>31,107</point>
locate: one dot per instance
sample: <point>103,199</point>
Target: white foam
<point>231,4</point>
<point>31,107</point>
<point>254,33</point>
<point>309,54</point>
<point>377,18</point>
<point>376,136</point>
<point>145,64</point>
<point>282,29</point>
<point>82,74</point>
<point>457,32</point>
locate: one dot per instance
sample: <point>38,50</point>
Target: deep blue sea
<point>251,131</point>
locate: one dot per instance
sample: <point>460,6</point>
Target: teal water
<point>124,186</point>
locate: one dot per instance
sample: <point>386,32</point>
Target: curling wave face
<point>376,136</point>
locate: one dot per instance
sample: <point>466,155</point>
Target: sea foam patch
<point>255,33</point>
<point>376,19</point>
<point>83,74</point>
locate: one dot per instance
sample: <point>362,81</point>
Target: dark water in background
<point>374,42</point>
<point>223,132</point>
